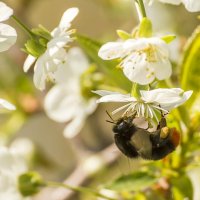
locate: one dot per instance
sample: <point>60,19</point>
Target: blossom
<point>143,59</point>
<point>55,55</point>
<point>64,102</point>
<point>8,34</point>
<point>149,103</point>
<point>11,166</point>
<point>190,5</point>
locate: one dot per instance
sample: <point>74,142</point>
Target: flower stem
<point>140,9</point>
<point>78,189</point>
<point>23,26</point>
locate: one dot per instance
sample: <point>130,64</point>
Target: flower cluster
<point>143,60</point>
<point>64,102</point>
<point>55,54</point>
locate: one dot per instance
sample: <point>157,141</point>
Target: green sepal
<point>168,38</point>
<point>30,183</point>
<point>34,48</point>
<point>41,31</point>
<point>123,34</point>
<point>145,28</point>
<point>135,92</point>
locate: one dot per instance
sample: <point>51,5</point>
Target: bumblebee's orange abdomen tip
<point>175,137</point>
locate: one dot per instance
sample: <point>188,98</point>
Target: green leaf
<point>145,28</point>
<point>190,71</point>
<point>123,34</point>
<point>133,182</point>
<point>182,188</point>
<point>168,38</point>
<point>116,76</point>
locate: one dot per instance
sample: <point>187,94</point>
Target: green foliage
<point>136,181</point>
<point>116,76</point>
<point>182,188</point>
<point>190,66</point>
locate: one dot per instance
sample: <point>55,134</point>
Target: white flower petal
<point>175,2</point>
<point>28,62</point>
<point>111,50</point>
<point>137,69</point>
<point>74,127</point>
<point>5,104</point>
<point>59,42</point>
<point>114,97</point>
<point>8,37</point>
<point>61,102</point>
<point>104,92</point>
<point>166,98</point>
<point>192,5</point>
<point>5,12</point>
<point>162,70</point>
<point>40,76</point>
<point>68,17</point>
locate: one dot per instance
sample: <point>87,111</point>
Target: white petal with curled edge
<point>61,103</point>
<point>5,12</point>
<point>104,92</point>
<point>114,97</point>
<point>74,127</point>
<point>8,37</point>
<point>111,50</point>
<point>68,17</point>
<point>28,62</point>
<point>192,5</point>
<point>5,104</point>
<point>39,77</point>
<point>174,2</point>
<point>166,98</point>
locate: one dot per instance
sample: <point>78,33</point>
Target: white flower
<point>6,105</point>
<point>143,59</point>
<point>64,102</point>
<point>55,54</point>
<point>190,5</point>
<point>11,166</point>
<point>8,34</point>
<point>150,102</point>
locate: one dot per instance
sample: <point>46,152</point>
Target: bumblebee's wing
<point>141,141</point>
<point>125,147</point>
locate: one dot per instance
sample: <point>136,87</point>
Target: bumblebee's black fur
<point>148,145</point>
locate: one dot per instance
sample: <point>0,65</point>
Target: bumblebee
<point>135,142</point>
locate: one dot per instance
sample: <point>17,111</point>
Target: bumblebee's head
<point>124,126</point>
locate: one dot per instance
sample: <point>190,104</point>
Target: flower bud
<point>30,183</point>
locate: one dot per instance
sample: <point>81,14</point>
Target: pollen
<point>164,132</point>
